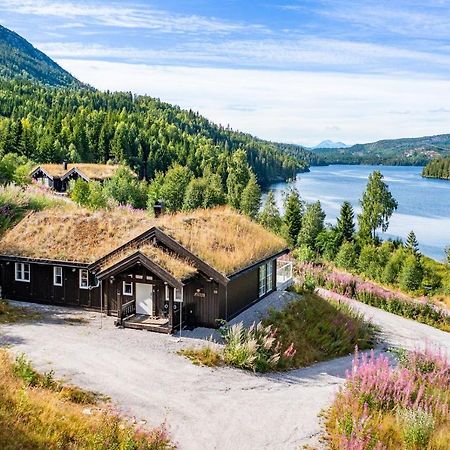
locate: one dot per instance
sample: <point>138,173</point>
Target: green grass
<point>38,412</point>
<point>320,329</point>
<point>205,356</point>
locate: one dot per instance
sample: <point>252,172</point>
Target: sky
<point>286,70</point>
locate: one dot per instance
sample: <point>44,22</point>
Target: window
<point>178,295</point>
<point>127,288</point>
<point>269,276</point>
<point>57,276</point>
<point>262,280</point>
<point>84,279</point>
<point>167,293</point>
<point>23,272</point>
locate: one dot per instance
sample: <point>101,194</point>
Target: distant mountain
<point>20,60</point>
<point>405,151</point>
<point>330,144</point>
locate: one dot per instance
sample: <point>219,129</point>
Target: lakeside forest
<point>438,168</point>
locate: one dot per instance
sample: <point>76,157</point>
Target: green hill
<point>56,119</point>
<point>406,151</point>
<point>20,60</point>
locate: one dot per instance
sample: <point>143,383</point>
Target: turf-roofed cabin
<point>153,273</point>
<point>58,176</point>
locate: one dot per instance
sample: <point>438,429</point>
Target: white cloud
<point>282,54</point>
<point>118,14</point>
<point>302,107</point>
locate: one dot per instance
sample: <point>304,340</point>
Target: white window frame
<point>124,288</point>
<point>269,276</point>
<point>57,273</point>
<point>262,277</point>
<point>167,293</point>
<point>22,272</point>
<point>84,279</point>
<point>178,295</point>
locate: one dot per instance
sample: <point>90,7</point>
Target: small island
<point>438,168</point>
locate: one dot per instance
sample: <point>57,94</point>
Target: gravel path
<point>204,408</point>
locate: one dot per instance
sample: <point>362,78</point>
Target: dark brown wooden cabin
<point>59,176</point>
<point>150,281</point>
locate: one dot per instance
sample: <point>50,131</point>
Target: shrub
<point>255,348</point>
<point>347,257</point>
<point>381,406</point>
<point>304,254</point>
<point>417,427</point>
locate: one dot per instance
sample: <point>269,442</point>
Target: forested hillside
<point>437,168</point>
<point>48,124</point>
<point>19,59</point>
<point>406,151</point>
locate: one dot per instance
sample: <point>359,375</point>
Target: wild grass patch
<point>319,329</point>
<point>38,412</point>
<point>205,356</point>
<point>12,314</point>
<point>306,331</point>
<point>385,407</point>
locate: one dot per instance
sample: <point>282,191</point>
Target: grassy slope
<point>320,329</point>
<point>36,417</point>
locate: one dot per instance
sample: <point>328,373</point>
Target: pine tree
<point>270,216</point>
<point>238,176</point>
<point>412,244</point>
<point>377,204</point>
<point>312,225</point>
<point>346,222</point>
<point>251,197</point>
<point>347,257</point>
<point>293,212</point>
<point>411,275</point>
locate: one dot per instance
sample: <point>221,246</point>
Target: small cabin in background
<point>58,176</point>
<point>186,269</point>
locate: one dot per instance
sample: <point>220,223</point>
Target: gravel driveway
<point>204,408</point>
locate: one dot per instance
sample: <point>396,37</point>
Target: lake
<point>423,204</point>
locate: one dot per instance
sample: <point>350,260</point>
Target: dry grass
<point>73,235</point>
<point>38,417</point>
<point>92,171</point>
<point>226,240</point>
<point>178,267</point>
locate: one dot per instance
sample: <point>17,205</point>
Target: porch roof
<point>139,258</point>
<point>178,267</point>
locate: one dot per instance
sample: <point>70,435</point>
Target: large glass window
<point>57,276</point>
<point>262,280</point>
<point>23,272</point>
<point>269,276</point>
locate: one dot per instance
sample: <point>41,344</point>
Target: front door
<point>144,299</point>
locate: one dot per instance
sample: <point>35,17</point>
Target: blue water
<point>423,204</point>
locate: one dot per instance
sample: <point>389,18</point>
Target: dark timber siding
<point>244,290</point>
<point>40,289</point>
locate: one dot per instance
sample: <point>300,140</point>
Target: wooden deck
<point>142,322</point>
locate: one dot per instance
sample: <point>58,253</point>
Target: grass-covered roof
<point>221,237</point>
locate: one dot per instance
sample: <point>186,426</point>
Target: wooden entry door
<point>144,299</point>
